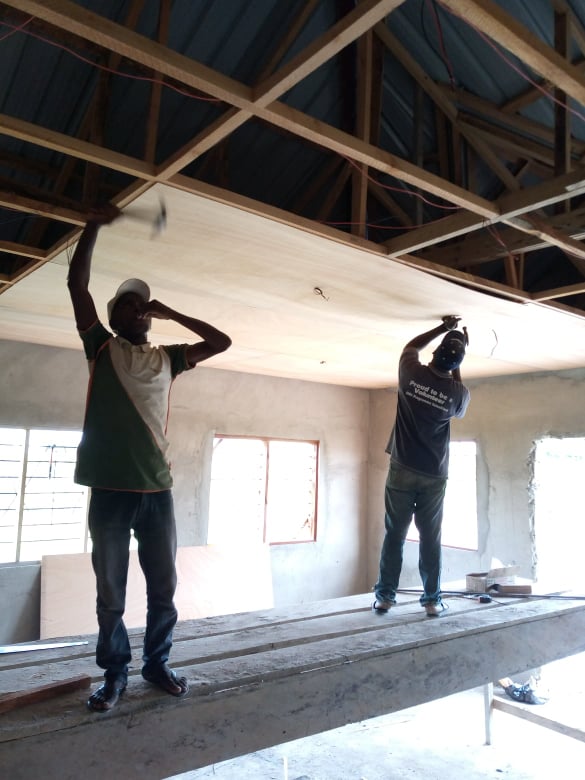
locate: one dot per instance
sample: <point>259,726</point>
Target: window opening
<point>460,506</point>
<point>559,533</point>
<point>42,510</point>
<point>262,490</point>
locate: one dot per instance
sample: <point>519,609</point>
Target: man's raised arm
<point>80,266</point>
<point>214,341</point>
<point>424,339</point>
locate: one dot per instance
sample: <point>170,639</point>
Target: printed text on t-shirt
<point>427,394</point>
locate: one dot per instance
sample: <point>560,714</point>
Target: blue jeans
<point>112,513</point>
<point>407,494</point>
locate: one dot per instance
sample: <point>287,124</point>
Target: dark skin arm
<point>214,341</point>
<point>80,266</point>
<point>424,339</point>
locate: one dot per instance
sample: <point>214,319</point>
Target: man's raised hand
<point>450,321</point>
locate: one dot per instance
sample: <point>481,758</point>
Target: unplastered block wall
<point>505,417</point>
<point>45,387</point>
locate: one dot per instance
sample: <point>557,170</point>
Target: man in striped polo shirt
<point>122,456</point>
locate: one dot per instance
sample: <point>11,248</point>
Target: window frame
<point>25,477</point>
<point>266,440</point>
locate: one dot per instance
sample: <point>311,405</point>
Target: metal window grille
<point>42,510</point>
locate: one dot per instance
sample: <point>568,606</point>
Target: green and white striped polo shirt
<point>124,445</point>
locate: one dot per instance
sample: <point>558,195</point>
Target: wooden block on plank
<point>11,701</point>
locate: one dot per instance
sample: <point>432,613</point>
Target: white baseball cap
<point>129,286</point>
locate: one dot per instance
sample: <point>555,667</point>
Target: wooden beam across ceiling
<point>262,102</point>
<point>84,150</point>
<point>446,105</point>
<point>492,21</point>
<point>478,248</point>
<point>256,102</point>
<point>509,207</point>
<point>129,44</point>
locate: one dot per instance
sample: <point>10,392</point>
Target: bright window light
<point>262,490</point>
<point>460,506</point>
<point>42,511</point>
<point>559,533</point>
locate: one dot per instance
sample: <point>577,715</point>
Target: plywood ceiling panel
<point>256,279</point>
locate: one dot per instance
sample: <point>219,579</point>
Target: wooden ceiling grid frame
<point>502,27</point>
<point>480,230</point>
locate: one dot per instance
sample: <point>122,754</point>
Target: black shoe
<point>106,696</point>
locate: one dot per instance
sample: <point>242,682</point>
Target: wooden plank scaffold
<point>262,678</point>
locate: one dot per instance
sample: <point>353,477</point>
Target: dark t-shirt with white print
<point>427,400</point>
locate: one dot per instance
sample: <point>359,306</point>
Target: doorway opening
<point>559,530</point>
<point>559,539</point>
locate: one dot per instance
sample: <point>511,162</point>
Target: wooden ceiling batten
<point>559,292</point>
<point>479,248</point>
<point>21,249</point>
<point>338,141</point>
<point>84,150</point>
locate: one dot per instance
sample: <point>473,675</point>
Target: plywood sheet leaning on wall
<point>206,577</point>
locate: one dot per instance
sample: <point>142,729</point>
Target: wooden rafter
<point>156,92</point>
<point>482,247</point>
<point>498,118</point>
<point>363,130</point>
<point>494,22</point>
<point>473,139</point>
<point>446,105</point>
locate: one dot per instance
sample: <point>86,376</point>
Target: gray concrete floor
<point>442,740</point>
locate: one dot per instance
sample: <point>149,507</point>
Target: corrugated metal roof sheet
<point>51,78</point>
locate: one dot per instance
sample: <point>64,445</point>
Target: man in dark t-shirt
<point>428,397</point>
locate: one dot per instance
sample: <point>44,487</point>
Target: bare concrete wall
<point>505,417</point>
<point>45,387</point>
<point>20,586</point>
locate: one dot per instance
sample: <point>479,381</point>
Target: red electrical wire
<point>518,70</point>
<point>497,49</point>
<point>186,93</point>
